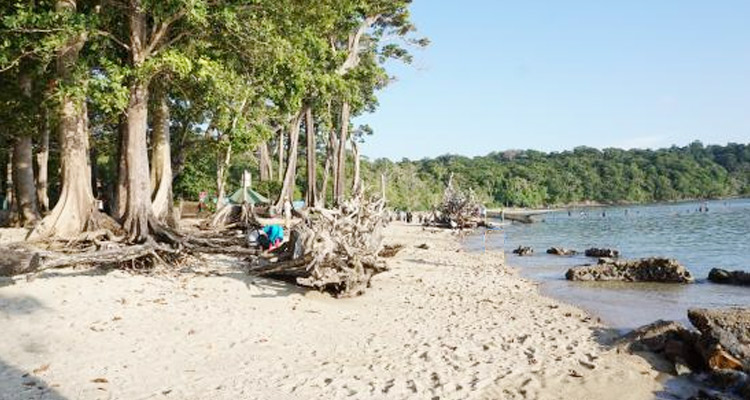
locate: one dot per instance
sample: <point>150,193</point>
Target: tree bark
<point>266,171</point>
<point>222,166</point>
<point>357,183</point>
<point>138,213</point>
<point>23,180</point>
<point>329,164</point>
<point>9,195</point>
<point>287,188</point>
<point>280,151</point>
<point>161,163</point>
<point>42,161</point>
<point>121,190</point>
<point>340,170</point>
<point>138,203</point>
<point>23,168</point>
<point>75,211</point>
<point>312,181</point>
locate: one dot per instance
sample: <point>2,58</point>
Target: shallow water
<point>699,240</point>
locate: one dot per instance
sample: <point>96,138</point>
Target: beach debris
<point>523,251</point>
<point>655,269</point>
<point>722,276</point>
<point>602,253</point>
<point>390,250</point>
<point>459,209</point>
<point>423,246</point>
<point>560,251</point>
<point>335,251</point>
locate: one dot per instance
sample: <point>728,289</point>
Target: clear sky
<point>552,75</point>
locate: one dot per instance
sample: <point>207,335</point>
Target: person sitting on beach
<point>271,237</point>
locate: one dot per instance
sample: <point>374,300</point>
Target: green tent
<point>252,197</point>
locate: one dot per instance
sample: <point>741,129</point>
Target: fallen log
<point>29,260</point>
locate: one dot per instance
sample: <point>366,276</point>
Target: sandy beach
<point>440,324</point>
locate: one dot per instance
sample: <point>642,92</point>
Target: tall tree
<point>75,210</point>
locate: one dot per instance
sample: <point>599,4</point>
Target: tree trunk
<point>23,168</point>
<point>330,164</point>
<point>340,170</point>
<point>138,215</point>
<point>222,166</point>
<point>266,170</point>
<point>121,191</point>
<point>357,183</point>
<point>42,161</point>
<point>75,210</point>
<point>9,196</point>
<point>93,155</point>
<point>312,181</point>
<point>281,154</point>
<point>23,180</point>
<point>161,163</point>
<point>287,188</point>
<point>138,204</point>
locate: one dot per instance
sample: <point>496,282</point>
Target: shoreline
<point>441,322</point>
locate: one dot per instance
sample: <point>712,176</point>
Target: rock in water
<point>723,276</point>
<point>644,270</point>
<point>725,337</point>
<point>603,253</point>
<point>559,251</point>
<point>523,251</point>
<point>669,339</point>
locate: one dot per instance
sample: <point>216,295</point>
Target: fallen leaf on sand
<point>41,369</point>
<point>100,380</point>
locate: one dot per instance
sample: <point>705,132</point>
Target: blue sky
<point>552,75</point>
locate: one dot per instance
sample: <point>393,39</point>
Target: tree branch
<point>160,30</point>
<point>113,38</point>
<point>352,59</point>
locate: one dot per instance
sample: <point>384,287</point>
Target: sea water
<point>699,239</point>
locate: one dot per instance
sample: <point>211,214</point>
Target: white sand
<point>441,324</point>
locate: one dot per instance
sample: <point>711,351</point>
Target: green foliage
<point>533,179</point>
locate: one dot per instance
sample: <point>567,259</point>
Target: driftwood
<point>23,260</point>
<point>104,249</point>
<point>458,210</point>
<point>335,251</point>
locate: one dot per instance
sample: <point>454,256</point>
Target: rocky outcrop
<point>523,251</point>
<point>723,276</point>
<point>644,270</point>
<point>725,337</point>
<point>559,251</point>
<point>668,339</point>
<point>719,350</point>
<point>602,253</point>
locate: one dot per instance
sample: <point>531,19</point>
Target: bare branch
<point>352,59</point>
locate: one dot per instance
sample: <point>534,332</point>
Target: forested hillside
<point>531,178</point>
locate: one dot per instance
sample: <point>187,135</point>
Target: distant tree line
<point>528,178</point>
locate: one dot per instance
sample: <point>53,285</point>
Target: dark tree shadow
<point>16,384</point>
<point>19,305</point>
<point>269,287</point>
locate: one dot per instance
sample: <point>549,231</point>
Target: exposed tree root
<point>334,251</point>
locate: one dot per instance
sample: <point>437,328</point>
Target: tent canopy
<point>251,196</point>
